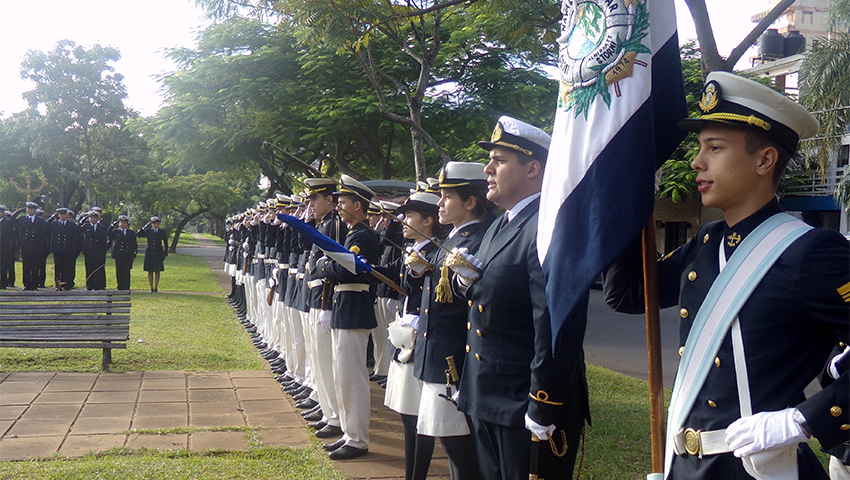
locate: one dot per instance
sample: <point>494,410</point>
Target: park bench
<point>66,319</point>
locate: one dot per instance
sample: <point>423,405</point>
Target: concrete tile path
<point>68,414</point>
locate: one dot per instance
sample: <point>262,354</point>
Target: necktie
<point>502,222</point>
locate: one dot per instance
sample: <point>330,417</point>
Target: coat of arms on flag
<point>599,44</point>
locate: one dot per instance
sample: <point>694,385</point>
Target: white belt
<point>293,271</point>
<point>299,276</point>
<point>352,287</point>
<point>254,261</point>
<point>270,261</point>
<point>315,283</point>
<point>260,255</point>
<point>696,442</point>
<point>283,265</point>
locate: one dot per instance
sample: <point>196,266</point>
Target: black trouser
<point>29,263</point>
<point>64,265</point>
<point>463,459</point>
<point>95,272</point>
<point>418,450</point>
<point>41,270</point>
<point>7,268</point>
<point>122,272</point>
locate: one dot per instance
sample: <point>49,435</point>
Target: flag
<point>346,258</point>
<point>621,96</point>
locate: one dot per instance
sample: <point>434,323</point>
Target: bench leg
<point>107,358</point>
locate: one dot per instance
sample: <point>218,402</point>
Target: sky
<point>142,29</point>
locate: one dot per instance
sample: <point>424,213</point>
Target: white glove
<point>409,320</point>
<point>272,282</point>
<point>245,254</point>
<point>833,369</point>
<point>415,263</point>
<point>231,242</point>
<point>276,221</point>
<point>456,396</point>
<point>325,320</point>
<point>275,272</point>
<point>245,244</point>
<point>764,431</point>
<point>469,274</point>
<point>539,431</point>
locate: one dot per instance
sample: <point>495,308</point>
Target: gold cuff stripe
<point>844,291</point>
<point>515,147</point>
<point>355,249</point>
<point>751,120</point>
<point>543,397</point>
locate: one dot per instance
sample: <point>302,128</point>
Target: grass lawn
<point>218,241</point>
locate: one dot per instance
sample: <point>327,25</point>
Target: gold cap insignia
<point>497,133</point>
<point>710,97</point>
<point>443,176</point>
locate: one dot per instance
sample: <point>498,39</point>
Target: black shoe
<point>382,383</point>
<point>304,394</point>
<point>315,416</point>
<point>260,345</point>
<point>316,409</point>
<point>377,378</point>
<point>280,369</point>
<point>329,431</point>
<point>334,445</point>
<point>271,355</point>
<point>277,361</point>
<point>317,425</point>
<point>306,404</point>
<point>347,452</point>
<point>251,329</point>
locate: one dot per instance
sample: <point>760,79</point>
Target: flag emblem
<point>599,44</point>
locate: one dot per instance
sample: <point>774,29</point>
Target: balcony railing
<point>812,184</point>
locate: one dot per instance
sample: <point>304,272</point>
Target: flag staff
<point>653,345</point>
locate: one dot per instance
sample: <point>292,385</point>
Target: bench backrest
<point>65,316</point>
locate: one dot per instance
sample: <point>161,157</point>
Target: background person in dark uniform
<point>8,248</point>
<point>95,243</point>
<point>155,252</point>
<point>788,325</point>
<point>41,262</point>
<point>124,251</point>
<point>353,317</point>
<point>31,238</point>
<point>510,378</point>
<point>386,304</point>
<point>64,234</point>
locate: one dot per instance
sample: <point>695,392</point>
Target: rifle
<point>327,287</point>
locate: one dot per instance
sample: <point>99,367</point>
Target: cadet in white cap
<point>125,247</point>
<point>510,380</point>
<point>155,252</point>
<point>444,316</point>
<point>386,306</point>
<point>352,319</point>
<point>32,238</point>
<point>739,410</point>
<point>95,244</point>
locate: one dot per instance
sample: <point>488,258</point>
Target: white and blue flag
<point>620,99</point>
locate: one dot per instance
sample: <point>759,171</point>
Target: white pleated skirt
<point>403,389</point>
<point>439,417</point>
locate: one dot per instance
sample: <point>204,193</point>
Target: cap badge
<point>710,97</point>
<point>443,176</point>
<point>497,133</point>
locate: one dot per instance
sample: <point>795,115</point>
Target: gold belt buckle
<point>693,444</point>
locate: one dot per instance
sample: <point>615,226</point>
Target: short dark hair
<point>756,140</point>
<point>524,159</point>
<point>364,204</point>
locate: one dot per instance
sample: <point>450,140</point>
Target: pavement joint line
<point>76,417</point>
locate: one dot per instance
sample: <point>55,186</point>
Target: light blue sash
<point>730,290</point>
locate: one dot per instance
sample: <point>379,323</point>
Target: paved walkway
<point>44,414</point>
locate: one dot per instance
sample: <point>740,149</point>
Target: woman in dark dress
<point>155,252</point>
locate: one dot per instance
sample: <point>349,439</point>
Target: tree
<point>711,58</point>
<point>77,94</point>
<point>187,197</point>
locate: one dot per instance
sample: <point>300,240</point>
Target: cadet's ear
<point>767,158</point>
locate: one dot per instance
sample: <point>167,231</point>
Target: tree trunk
<point>179,228</point>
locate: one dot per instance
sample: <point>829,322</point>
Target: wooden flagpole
<point>653,345</point>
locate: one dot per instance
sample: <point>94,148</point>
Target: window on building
<point>675,235</point>
<point>843,156</point>
<point>808,17</point>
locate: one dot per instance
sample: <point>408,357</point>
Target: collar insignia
<point>734,240</point>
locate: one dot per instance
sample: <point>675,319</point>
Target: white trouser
<point>282,316</point>
<point>308,345</point>
<point>277,329</point>
<point>249,298</point>
<point>385,311</point>
<point>352,378</point>
<point>299,353</point>
<point>322,368</point>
